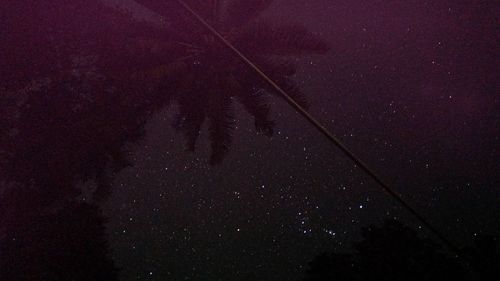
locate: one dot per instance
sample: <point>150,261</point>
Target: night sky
<point>410,86</point>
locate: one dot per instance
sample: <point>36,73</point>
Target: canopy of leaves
<point>213,78</point>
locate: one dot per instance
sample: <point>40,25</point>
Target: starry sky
<point>409,86</point>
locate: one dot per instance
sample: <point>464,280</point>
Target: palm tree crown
<point>209,78</point>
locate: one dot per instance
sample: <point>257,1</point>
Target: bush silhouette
<point>394,252</point>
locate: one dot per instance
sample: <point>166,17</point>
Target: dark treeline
<point>394,252</point>
<point>67,109</point>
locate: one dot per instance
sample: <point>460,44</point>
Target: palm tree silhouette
<point>212,79</point>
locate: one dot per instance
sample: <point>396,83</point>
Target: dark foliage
<point>67,244</point>
<point>394,251</point>
<point>214,77</point>
<point>484,257</point>
<point>78,81</point>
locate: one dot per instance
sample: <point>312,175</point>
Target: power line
<point>322,129</point>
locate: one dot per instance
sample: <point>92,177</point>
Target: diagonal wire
<point>323,130</point>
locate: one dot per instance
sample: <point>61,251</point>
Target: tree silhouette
<point>67,244</point>
<point>78,81</point>
<point>332,266</point>
<point>212,78</point>
<point>392,251</point>
<point>485,257</point>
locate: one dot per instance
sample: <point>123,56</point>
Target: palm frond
<point>236,13</point>
<point>256,104</point>
<point>291,88</point>
<point>221,126</point>
<point>279,70</point>
<point>266,39</point>
<point>278,65</point>
<point>190,117</point>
